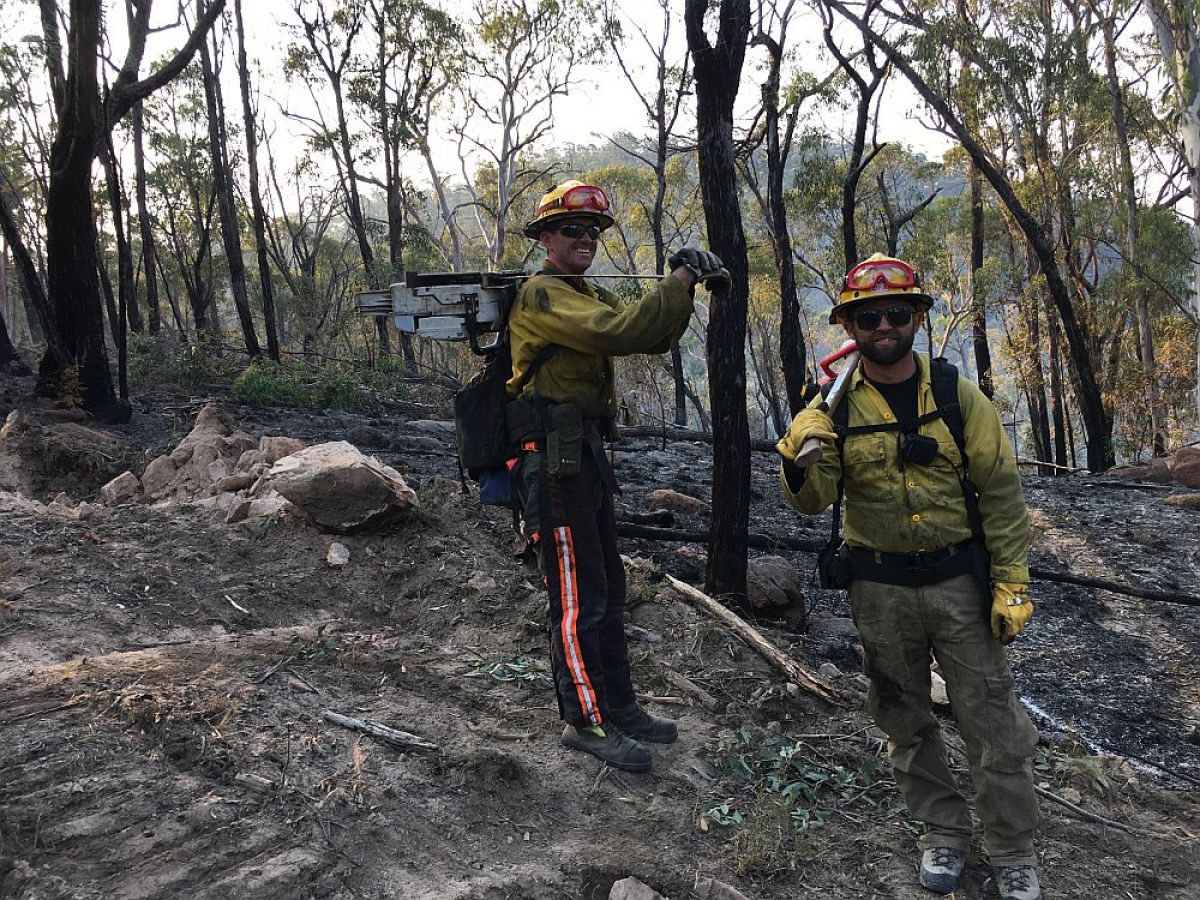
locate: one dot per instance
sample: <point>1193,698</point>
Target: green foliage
<point>339,386</point>
<point>319,648</point>
<point>783,772</point>
<point>163,361</point>
<point>520,670</point>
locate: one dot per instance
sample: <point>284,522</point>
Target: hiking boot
<point>1018,883</point>
<point>942,868</point>
<point>610,746</point>
<point>640,725</point>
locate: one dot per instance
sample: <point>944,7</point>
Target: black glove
<point>704,265</point>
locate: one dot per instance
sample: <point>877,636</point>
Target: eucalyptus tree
<point>83,122</point>
<point>663,101</point>
<point>931,27</point>
<point>1177,26</point>
<point>328,35</point>
<point>718,69</point>
<point>523,60</point>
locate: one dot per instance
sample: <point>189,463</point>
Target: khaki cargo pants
<point>900,628</point>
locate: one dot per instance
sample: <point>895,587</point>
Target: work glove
<point>1011,610</point>
<point>809,423</point>
<point>704,265</point>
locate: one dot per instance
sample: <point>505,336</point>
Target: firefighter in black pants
<point>564,483</point>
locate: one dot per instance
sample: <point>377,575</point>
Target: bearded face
<point>886,342</point>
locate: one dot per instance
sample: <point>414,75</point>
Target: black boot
<point>637,723</point>
<point>611,746</point>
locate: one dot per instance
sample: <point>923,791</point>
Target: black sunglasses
<point>575,232</point>
<point>869,319</point>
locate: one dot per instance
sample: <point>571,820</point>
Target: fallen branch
<point>685,684</point>
<point>1024,461</point>
<point>795,672</point>
<point>401,740</point>
<point>1081,812</point>
<point>663,518</point>
<point>769,542</point>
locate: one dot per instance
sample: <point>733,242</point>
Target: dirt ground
<point>163,678</point>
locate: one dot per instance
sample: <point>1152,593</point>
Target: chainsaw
<point>453,306</point>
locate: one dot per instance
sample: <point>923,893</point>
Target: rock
<point>274,449</point>
<point>833,630</point>
<point>482,583</point>
<point>1184,464</point>
<point>674,500</point>
<point>1187,501</point>
<point>632,889</point>
<point>120,489</point>
<point>366,436</point>
<point>239,511</point>
<point>937,691</point>
<point>248,461</point>
<point>158,475</point>
<point>711,889</point>
<point>237,481</point>
<point>829,671</point>
<point>774,585</point>
<point>216,470</point>
<point>337,555</point>
<point>339,489</point>
<point>270,505</point>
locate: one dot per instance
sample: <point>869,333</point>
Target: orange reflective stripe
<point>531,445</point>
<point>569,593</point>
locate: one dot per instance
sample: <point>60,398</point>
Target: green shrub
<point>267,383</point>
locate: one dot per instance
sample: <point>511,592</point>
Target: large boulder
<point>340,489</point>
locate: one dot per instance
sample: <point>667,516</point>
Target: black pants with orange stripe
<point>577,536</point>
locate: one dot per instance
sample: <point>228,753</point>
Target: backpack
<point>832,560</point>
<point>481,426</point>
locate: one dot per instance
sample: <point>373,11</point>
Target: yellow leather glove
<point>809,423</point>
<point>1011,610</point>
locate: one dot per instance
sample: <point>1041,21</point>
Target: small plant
<point>806,788</point>
<point>266,383</point>
<point>520,670</point>
<point>321,648</point>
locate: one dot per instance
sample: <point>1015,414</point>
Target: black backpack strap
<point>542,355</point>
<point>943,378</point>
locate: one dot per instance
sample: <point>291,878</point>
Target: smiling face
<point>570,255</point>
<point>885,344</point>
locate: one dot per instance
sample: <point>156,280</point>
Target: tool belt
<point>561,432</point>
<point>968,557</point>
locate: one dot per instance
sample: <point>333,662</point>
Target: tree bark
<point>718,71</point>
<point>256,204</point>
<point>979,335</point>
<point>71,258</point>
<point>231,237</point>
<point>149,264</point>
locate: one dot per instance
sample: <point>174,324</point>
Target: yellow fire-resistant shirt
<point>921,508</point>
<point>590,326</point>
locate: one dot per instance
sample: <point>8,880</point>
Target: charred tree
<point>718,68</point>
<point>231,238</point>
<point>979,335</point>
<point>256,204</point>
<point>149,263</point>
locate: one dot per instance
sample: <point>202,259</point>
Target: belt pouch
<point>564,440</point>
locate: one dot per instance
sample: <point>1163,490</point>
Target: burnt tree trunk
<point>718,69</point>
<point>256,204</point>
<point>979,336</point>
<point>71,260</point>
<point>231,238</point>
<point>149,263</point>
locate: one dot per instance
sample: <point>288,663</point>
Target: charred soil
<point>164,677</point>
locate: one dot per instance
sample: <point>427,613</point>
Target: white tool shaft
<point>811,451</point>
